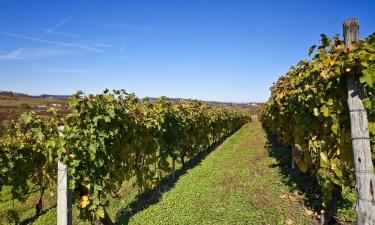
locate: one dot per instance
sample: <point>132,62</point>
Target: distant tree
<point>25,106</point>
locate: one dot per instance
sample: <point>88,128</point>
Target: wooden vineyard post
<point>173,168</point>
<point>64,204</point>
<point>293,158</point>
<point>364,170</point>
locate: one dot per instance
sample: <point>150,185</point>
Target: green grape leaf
<point>26,117</point>
<point>367,103</point>
<point>38,134</point>
<point>371,127</point>
<point>325,40</point>
<point>311,49</point>
<point>368,76</point>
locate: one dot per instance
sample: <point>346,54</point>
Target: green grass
<point>236,183</point>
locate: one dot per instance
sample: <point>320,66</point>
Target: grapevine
<point>308,109</point>
<point>108,139</point>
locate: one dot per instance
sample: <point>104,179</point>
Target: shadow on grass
<point>298,182</point>
<point>153,196</point>
<point>305,184</point>
<point>33,218</point>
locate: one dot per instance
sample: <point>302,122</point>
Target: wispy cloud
<point>65,44</point>
<point>60,33</point>
<point>132,27</point>
<point>35,53</point>
<point>52,29</point>
<point>60,43</point>
<point>13,55</point>
<point>102,45</point>
<point>17,54</point>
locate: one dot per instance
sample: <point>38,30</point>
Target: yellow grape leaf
<point>323,157</point>
<point>338,152</point>
<point>280,95</point>
<point>330,102</point>
<point>325,110</point>
<point>87,186</point>
<point>324,161</point>
<point>334,164</point>
<point>335,128</point>
<point>85,201</point>
<point>316,113</point>
<point>100,212</point>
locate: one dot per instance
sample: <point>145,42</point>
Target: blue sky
<point>211,50</point>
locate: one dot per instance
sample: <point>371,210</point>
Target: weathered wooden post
<point>293,158</point>
<point>364,170</point>
<point>64,203</point>
<point>173,168</point>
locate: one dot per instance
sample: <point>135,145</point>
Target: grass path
<point>235,184</point>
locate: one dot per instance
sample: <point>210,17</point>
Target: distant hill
<point>12,104</point>
<point>54,96</point>
<point>12,94</point>
<point>63,97</point>
<point>248,104</point>
<point>16,94</point>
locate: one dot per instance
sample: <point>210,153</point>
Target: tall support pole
<point>293,158</point>
<point>173,168</point>
<point>364,169</point>
<point>64,204</point>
